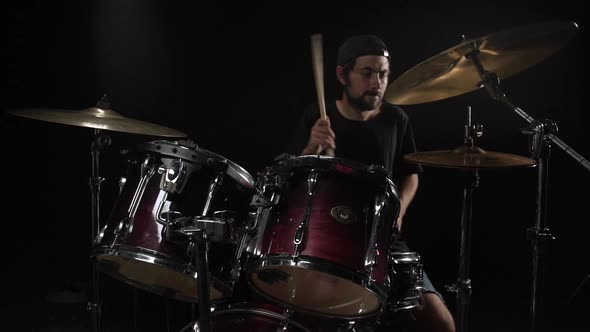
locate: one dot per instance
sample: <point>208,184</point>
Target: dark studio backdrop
<point>235,78</point>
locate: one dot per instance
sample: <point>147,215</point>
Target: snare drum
<point>324,227</point>
<point>406,275</point>
<point>172,181</point>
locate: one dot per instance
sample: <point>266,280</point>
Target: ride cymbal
<point>468,157</point>
<point>99,118</point>
<point>504,53</point>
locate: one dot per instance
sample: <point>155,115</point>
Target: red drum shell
<point>133,245</point>
<point>345,211</point>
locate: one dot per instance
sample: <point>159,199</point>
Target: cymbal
<point>470,158</point>
<point>99,118</point>
<point>504,53</point>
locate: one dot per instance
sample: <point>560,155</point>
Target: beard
<point>361,102</point>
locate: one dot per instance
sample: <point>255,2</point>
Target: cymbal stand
<point>544,134</point>
<point>199,241</point>
<point>99,142</point>
<point>463,285</point>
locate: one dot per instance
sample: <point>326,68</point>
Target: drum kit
<point>311,234</point>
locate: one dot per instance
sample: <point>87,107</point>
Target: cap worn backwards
<point>360,45</point>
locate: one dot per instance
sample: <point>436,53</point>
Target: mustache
<point>371,94</point>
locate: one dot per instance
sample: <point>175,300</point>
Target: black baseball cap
<point>360,45</point>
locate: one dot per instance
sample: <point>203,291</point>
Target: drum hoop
<point>142,255</point>
<point>153,257</point>
<point>324,266</point>
<point>408,303</point>
<point>261,312</point>
<point>201,156</point>
<point>324,162</point>
<point>229,309</point>
<point>405,257</point>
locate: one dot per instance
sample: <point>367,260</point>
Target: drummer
<point>362,126</point>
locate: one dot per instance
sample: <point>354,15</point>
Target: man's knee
<point>433,315</point>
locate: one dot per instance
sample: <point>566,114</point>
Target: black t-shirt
<point>382,140</point>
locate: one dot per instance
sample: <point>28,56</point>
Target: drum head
<point>245,318</point>
<point>315,291</point>
<point>155,275</point>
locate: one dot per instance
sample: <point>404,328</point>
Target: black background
<point>235,78</point>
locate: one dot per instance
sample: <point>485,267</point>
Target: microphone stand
<point>544,135</point>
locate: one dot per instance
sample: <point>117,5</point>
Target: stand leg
<point>168,313</point>
<point>463,285</point>
<point>99,142</point>
<point>136,310</point>
<point>538,236</point>
<point>203,281</point>
<point>94,304</point>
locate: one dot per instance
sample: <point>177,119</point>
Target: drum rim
<point>287,164</point>
<point>404,257</point>
<point>237,172</point>
<point>250,308</point>
<point>235,308</point>
<point>281,162</point>
<point>324,266</point>
<point>156,258</point>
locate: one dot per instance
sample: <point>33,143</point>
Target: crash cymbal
<point>504,53</point>
<point>468,157</point>
<point>99,118</point>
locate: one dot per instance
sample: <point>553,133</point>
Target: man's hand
<point>321,137</point>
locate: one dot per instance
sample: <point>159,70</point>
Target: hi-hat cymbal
<point>504,53</point>
<point>99,118</point>
<point>468,157</point>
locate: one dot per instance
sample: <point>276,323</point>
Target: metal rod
<point>463,285</point>
<point>99,142</point>
<point>135,310</point>
<point>94,303</point>
<point>538,236</point>
<point>203,280</point>
<point>544,134</point>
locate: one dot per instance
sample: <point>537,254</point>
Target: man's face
<point>367,82</point>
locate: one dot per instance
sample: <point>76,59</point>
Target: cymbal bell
<point>468,158</point>
<point>99,118</point>
<point>504,53</point>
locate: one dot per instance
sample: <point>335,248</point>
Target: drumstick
<point>318,74</point>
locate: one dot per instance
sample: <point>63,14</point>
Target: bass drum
<point>260,316</point>
<point>171,186</point>
<point>250,317</point>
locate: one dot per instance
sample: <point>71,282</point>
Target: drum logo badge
<point>343,214</point>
